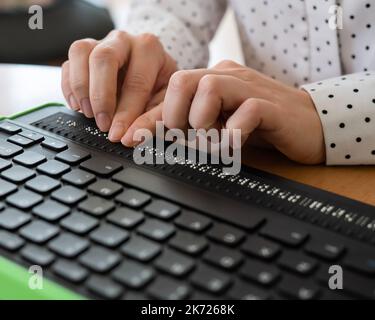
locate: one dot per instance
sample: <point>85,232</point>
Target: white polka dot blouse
<point>292,41</point>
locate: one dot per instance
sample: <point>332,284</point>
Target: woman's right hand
<point>116,79</point>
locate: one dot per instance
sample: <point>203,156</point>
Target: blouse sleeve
<point>346,106</point>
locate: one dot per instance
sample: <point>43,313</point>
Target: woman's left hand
<point>236,97</point>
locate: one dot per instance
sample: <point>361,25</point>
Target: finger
<point>65,86</point>
<point>79,53</point>
<point>255,114</point>
<point>146,121</point>
<point>216,94</point>
<point>181,91</point>
<point>104,63</point>
<point>146,60</point>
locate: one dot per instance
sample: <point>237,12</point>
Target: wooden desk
<point>22,87</point>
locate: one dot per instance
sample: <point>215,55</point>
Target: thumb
<point>254,114</point>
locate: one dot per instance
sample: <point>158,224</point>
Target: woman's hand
<point>117,79</point>
<point>235,97</point>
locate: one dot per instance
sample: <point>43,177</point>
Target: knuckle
<point>253,104</point>
<point>209,84</point>
<point>138,82</point>
<point>79,46</point>
<point>78,86</point>
<point>179,80</point>
<point>118,35</point>
<point>149,40</point>
<point>224,64</point>
<point>104,52</point>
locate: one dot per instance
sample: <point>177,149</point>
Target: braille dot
<point>324,111</point>
<point>331,96</point>
<point>333,145</point>
<point>349,106</point>
<point>368,5</point>
<point>356,90</point>
<point>373,152</point>
<point>342,125</point>
<point>358,139</point>
<point>348,156</point>
<point>367,120</point>
<point>373,100</point>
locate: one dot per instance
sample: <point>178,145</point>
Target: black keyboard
<point>77,205</point>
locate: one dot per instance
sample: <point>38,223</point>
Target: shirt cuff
<point>346,107</point>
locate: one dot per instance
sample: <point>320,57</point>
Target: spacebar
<point>233,212</point>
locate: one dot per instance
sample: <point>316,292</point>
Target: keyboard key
<point>210,279</point>
<point>36,137</point>
<point>168,289</point>
<point>9,128</point>
<point>24,199</point>
<point>96,206</point>
<point>68,245</point>
<point>260,248</point>
<point>361,261</point>
<point>193,221</point>
<point>174,263</point>
<point>6,188</point>
<point>261,273</point>
<point>285,234</point>
<point>10,241</point>
<point>133,198</point>
<point>4,164</point>
<point>8,150</point>
<point>101,166</point>
<point>99,260</point>
<point>18,174</point>
<point>73,156</point>
<point>109,236</point>
<point>325,249</point>
<point>133,274</point>
<point>29,159</point>
<point>245,291</point>
<point>156,230</point>
<point>104,287</point>
<point>43,184</point>
<point>54,145</point>
<point>12,219</point>
<point>51,210</point>
<point>78,178</point>
<point>226,234</point>
<point>140,249</point>
<point>162,209</point>
<point>223,257</point>
<point>69,195</point>
<point>79,223</point>
<point>37,255</point>
<point>188,243</point>
<point>297,262</point>
<point>70,271</point>
<point>296,288</point>
<point>126,218</point>
<point>39,231</point>
<point>53,168</point>
<point>105,188</point>
<point>20,141</point>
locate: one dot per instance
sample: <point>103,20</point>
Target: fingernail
<point>116,132</point>
<point>103,121</point>
<point>86,108</point>
<point>73,102</point>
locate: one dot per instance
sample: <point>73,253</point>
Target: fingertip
<point>116,132</point>
<point>103,121</point>
<point>87,108</point>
